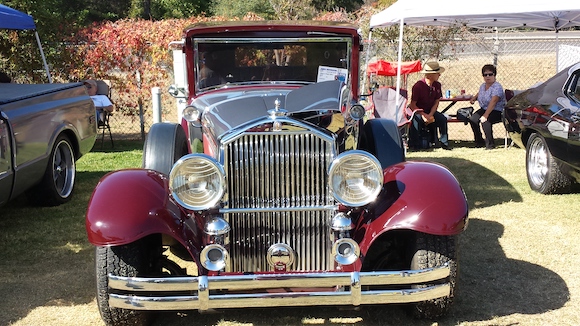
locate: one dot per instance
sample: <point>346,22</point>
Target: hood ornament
<point>277,111</point>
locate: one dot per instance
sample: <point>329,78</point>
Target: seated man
<point>425,97</point>
<point>102,102</point>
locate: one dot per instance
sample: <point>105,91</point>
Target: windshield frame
<point>340,70</point>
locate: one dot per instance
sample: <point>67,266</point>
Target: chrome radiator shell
<point>277,192</point>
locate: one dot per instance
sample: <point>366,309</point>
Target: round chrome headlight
<point>197,181</point>
<point>356,178</point>
<point>357,112</point>
<point>191,114</point>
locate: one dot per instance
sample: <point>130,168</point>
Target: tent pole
<point>557,52</point>
<point>43,57</point>
<point>557,29</point>
<point>495,46</point>
<point>368,50</point>
<point>399,62</point>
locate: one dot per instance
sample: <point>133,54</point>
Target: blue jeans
<point>439,123</point>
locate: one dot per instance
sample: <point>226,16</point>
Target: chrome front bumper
<point>156,292</point>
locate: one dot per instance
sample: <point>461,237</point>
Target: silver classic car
<point>274,190</point>
<point>44,130</point>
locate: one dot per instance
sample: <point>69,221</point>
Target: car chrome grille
<point>278,190</point>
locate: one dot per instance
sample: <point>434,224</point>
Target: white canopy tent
<point>540,14</point>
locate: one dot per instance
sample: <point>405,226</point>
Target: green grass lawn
<point>517,259</point>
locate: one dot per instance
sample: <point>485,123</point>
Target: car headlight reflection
<point>191,114</point>
<point>356,178</point>
<point>197,181</point>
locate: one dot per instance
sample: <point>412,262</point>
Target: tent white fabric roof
<point>541,14</point>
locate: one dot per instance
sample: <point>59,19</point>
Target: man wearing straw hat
<point>425,96</point>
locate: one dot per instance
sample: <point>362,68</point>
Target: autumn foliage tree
<point>132,53</point>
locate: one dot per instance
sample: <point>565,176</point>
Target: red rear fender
<point>127,205</point>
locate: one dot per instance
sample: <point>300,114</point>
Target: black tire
<point>433,251</point>
<point>57,184</point>
<point>544,174</point>
<point>134,259</point>
<point>165,144</point>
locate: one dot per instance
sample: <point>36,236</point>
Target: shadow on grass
<point>59,270</point>
<point>490,285</point>
<point>483,187</point>
<point>118,146</point>
<point>45,259</point>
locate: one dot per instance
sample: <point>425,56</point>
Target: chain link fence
<point>136,126</point>
<point>523,59</point>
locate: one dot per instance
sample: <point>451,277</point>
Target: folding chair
<point>384,100</point>
<point>508,95</point>
<point>103,125</point>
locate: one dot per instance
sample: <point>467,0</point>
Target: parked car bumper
<point>208,292</point>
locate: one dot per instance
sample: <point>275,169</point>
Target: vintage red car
<point>275,188</point>
<point>545,120</point>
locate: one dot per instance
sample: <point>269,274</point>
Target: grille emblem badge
<point>281,257</point>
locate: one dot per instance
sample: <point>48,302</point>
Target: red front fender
<point>426,197</point>
<point>127,205</point>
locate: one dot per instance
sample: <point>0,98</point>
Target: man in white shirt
<point>102,102</point>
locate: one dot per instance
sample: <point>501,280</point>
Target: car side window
<point>572,86</point>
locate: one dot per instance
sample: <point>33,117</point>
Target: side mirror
<point>177,92</point>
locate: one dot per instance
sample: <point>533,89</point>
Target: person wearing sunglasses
<point>491,99</point>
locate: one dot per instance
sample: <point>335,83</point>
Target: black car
<point>545,121</point>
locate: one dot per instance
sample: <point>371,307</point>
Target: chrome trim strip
<point>318,282</point>
<point>252,40</point>
<point>301,128</point>
<point>278,209</point>
<point>297,299</point>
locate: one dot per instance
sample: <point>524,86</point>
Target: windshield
<point>253,61</point>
